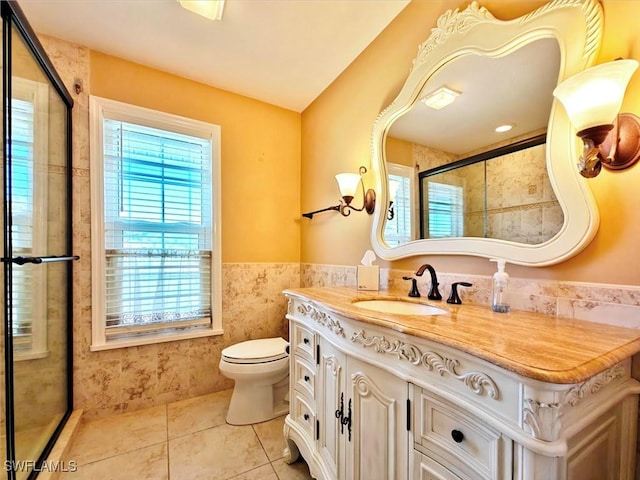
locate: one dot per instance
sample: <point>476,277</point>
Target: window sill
<point>152,339</point>
<point>30,355</point>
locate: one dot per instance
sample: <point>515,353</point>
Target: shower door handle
<point>38,260</point>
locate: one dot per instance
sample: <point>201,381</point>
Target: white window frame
<point>99,109</point>
<point>410,173</point>
<point>35,345</point>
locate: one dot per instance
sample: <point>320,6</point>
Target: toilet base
<point>252,403</point>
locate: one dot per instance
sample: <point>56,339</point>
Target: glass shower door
<point>37,240</point>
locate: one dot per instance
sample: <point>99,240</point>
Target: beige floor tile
<point>196,414</point>
<point>149,463</point>
<point>296,471</point>
<point>119,434</point>
<point>217,453</point>
<point>266,472</point>
<point>271,437</point>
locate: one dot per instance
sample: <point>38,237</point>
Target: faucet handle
<point>414,287</point>
<point>454,297</point>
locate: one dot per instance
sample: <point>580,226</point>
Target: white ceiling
<point>514,89</point>
<point>283,52</point>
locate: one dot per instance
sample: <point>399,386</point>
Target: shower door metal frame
<point>13,17</point>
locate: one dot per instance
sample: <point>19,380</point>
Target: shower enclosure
<point>36,251</point>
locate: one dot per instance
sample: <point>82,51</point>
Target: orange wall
<point>336,131</point>
<point>399,152</point>
<point>260,154</point>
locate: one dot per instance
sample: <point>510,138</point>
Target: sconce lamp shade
<point>594,96</point>
<point>393,189</point>
<point>348,184</point>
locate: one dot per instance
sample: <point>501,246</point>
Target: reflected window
<point>445,210</point>
<point>400,224</point>
<point>29,104</point>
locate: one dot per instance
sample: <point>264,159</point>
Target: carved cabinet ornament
<point>477,382</point>
<point>322,318</point>
<point>543,420</point>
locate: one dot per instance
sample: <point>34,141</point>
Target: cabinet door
<point>330,389</point>
<point>594,453</point>
<point>378,448</point>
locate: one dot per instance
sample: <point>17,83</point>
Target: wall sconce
<point>348,184</point>
<point>592,99</point>
<point>393,189</point>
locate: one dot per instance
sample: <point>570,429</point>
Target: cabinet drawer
<point>460,441</point>
<point>303,414</point>
<point>304,376</point>
<point>304,342</point>
<point>425,468</point>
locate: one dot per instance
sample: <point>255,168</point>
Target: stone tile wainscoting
<point>127,379</point>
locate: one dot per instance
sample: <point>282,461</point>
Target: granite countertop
<point>538,346</point>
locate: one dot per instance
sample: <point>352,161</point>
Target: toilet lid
<point>256,351</point>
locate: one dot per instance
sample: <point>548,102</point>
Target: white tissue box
<point>368,277</point>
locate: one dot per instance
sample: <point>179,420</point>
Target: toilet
<point>260,369</point>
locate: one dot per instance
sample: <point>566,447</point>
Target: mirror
<point>500,72</point>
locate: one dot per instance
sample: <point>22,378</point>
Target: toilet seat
<point>263,350</point>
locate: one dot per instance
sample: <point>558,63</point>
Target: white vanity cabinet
<point>370,402</point>
<point>335,401</point>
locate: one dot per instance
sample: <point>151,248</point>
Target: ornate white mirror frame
<point>577,27</point>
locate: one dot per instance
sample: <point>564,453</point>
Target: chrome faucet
<point>434,294</point>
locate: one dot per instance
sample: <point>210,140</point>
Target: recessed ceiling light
<point>505,128</point>
<point>211,9</point>
<point>440,98</point>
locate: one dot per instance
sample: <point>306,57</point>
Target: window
<point>445,210</point>
<point>399,229</point>
<point>155,226</point>
<point>29,133</point>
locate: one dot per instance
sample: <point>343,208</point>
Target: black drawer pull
<point>306,341</point>
<point>306,378</point>
<point>306,416</point>
<point>457,436</point>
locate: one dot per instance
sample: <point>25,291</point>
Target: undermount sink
<point>399,307</point>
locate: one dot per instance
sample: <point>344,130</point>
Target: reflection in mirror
<point>509,197</point>
<point>504,194</point>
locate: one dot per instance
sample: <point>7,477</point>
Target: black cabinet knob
<point>306,341</point>
<point>306,416</point>
<point>306,378</point>
<point>286,349</point>
<point>457,436</point>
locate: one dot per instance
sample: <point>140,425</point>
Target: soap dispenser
<point>500,284</point>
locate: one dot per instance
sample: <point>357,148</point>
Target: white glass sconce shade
<point>348,184</point>
<point>594,96</point>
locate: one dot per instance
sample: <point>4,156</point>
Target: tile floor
<point>185,440</point>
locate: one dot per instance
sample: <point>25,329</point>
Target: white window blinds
<point>157,229</point>
<point>22,202</point>
<point>398,230</point>
<point>445,210</point>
